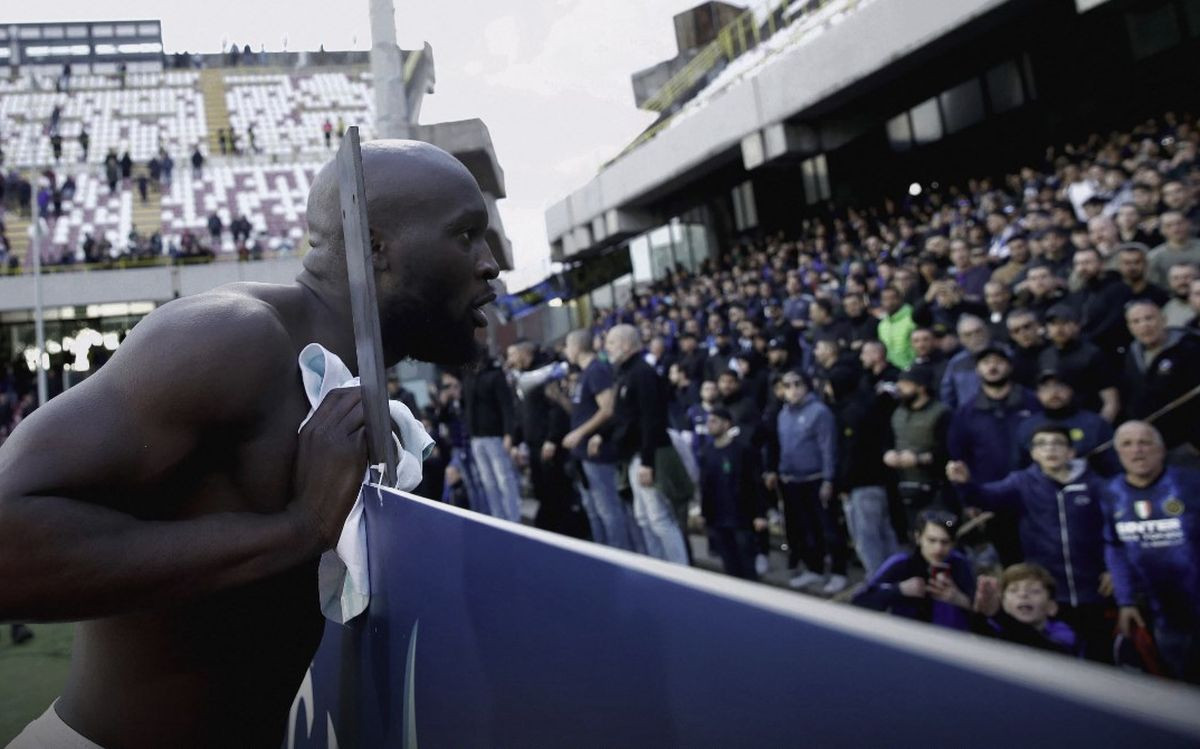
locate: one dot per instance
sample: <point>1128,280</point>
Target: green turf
<point>31,675</point>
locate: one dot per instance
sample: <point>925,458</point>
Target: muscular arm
<point>81,535</point>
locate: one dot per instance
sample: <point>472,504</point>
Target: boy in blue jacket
<point>1153,547</point>
<point>1059,503</point>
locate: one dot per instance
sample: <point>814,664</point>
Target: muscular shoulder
<point>215,352</point>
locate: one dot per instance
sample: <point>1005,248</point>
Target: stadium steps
<point>147,217</point>
<point>17,229</point>
<point>216,112</point>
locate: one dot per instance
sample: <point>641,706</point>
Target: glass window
<point>899,132</point>
<point>926,122</point>
<point>30,32</point>
<point>962,105</point>
<point>102,29</point>
<point>126,29</point>
<point>1004,87</point>
<point>77,32</point>
<point>148,29</point>
<point>52,32</point>
<point>639,254</point>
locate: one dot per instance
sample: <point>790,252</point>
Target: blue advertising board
<point>483,633</point>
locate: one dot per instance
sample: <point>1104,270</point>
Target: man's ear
<point>1052,609</point>
<point>379,256</point>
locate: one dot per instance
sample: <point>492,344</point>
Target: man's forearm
<point>61,559</point>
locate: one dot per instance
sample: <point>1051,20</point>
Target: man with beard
<point>741,405</point>
<point>1131,263</point>
<point>1179,282</point>
<point>1089,370</point>
<point>896,326</point>
<point>862,325</point>
<point>1098,299</point>
<point>1086,429</point>
<point>1027,345</point>
<point>918,439</point>
<point>983,435</point>
<point>927,354</point>
<point>185,529</point>
<point>879,375</point>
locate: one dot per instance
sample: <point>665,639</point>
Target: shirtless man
<point>168,502</point>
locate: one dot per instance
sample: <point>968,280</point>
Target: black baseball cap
<point>1062,313</point>
<point>993,348</point>
<point>918,375</point>
<point>721,413</point>
<point>1046,375</point>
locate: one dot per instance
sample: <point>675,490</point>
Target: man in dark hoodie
<point>491,422</point>
<point>731,498</point>
<point>862,425</point>
<point>1099,300</point>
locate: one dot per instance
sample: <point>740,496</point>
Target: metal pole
<point>39,323</point>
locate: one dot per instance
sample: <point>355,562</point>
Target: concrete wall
<point>866,40</point>
<point>139,285</point>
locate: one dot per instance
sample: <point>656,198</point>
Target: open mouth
<point>477,309</point>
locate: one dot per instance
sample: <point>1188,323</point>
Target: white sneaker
<point>760,564</point>
<point>836,584</point>
<point>806,579</point>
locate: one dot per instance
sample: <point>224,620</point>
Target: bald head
<point>621,342</point>
<point>403,180</point>
<point>427,224</point>
<point>1142,451</point>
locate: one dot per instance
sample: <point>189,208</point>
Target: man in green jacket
<point>896,327</point>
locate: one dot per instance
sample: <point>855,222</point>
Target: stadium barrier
<point>484,633</point>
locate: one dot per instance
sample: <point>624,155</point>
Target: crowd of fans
<point>987,395</point>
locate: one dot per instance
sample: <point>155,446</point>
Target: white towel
<point>343,577</point>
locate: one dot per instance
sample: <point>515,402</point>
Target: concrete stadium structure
<point>800,103</point>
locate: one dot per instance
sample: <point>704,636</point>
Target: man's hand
<point>573,438</point>
<point>946,591</point>
<point>331,462</point>
<point>825,493</point>
<point>645,475</point>
<point>760,525</point>
<point>987,595</point>
<point>1129,617</point>
<point>548,451</point>
<point>957,472</point>
<point>891,458</point>
<point>771,480</point>
<point>594,445</point>
<point>508,444</point>
<point>1106,584</point>
<point>913,587</point>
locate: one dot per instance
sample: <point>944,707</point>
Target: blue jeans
<point>870,526</point>
<point>606,512</point>
<point>498,476</point>
<point>656,518</point>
